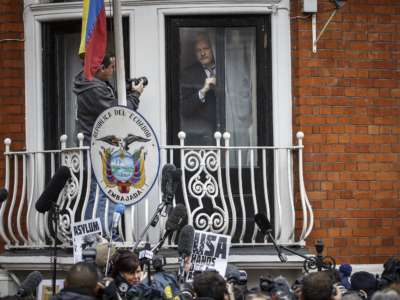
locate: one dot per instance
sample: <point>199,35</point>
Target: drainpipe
<point>119,52</point>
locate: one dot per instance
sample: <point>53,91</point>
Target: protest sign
<point>210,252</point>
<point>85,234</point>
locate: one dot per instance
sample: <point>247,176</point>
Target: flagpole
<point>119,52</point>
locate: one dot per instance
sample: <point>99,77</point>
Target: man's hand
<point>208,84</point>
<point>139,87</point>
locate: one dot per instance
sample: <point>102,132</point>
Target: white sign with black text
<point>85,234</point>
<point>210,252</point>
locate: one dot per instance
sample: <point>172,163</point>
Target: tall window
<point>219,79</point>
<point>219,75</point>
<point>61,64</point>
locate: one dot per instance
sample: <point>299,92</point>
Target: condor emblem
<point>125,155</point>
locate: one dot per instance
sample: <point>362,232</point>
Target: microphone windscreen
<point>30,283</point>
<point>167,175</point>
<point>177,218</point>
<point>262,222</point>
<point>185,242</point>
<point>3,194</point>
<point>53,189</point>
<point>119,208</point>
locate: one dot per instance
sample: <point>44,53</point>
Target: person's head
<point>203,51</point>
<point>209,284</point>
<point>364,281</point>
<point>126,264</point>
<point>106,69</point>
<point>386,295</point>
<point>334,274</point>
<point>83,276</point>
<point>318,286</point>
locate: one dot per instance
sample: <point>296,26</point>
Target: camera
<point>136,81</point>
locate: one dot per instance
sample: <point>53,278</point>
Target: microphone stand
<point>165,204</point>
<point>318,262</point>
<point>55,218</point>
<point>109,246</point>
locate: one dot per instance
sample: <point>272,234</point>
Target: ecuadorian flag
<point>94,36</point>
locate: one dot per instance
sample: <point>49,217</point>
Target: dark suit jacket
<point>198,119</point>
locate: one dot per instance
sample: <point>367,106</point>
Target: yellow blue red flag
<point>94,36</point>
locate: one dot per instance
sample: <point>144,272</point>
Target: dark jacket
<point>198,119</point>
<point>120,289</point>
<point>94,97</point>
<point>73,294</point>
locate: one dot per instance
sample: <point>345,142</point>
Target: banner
<point>210,252</point>
<point>85,234</point>
<point>125,155</point>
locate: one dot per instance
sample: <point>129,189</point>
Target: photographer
<point>93,97</point>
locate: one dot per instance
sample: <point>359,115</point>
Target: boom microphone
<point>53,189</point>
<point>3,195</point>
<point>263,223</point>
<point>176,219</point>
<point>266,229</point>
<point>185,241</point>
<point>169,181</point>
<point>29,285</point>
<point>185,248</point>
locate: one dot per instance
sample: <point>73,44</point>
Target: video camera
<point>277,287</point>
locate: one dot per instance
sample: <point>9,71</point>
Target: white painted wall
<point>147,39</point>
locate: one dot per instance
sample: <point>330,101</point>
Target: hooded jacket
<point>93,97</point>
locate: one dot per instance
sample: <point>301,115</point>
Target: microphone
<point>53,189</point>
<point>266,229</point>
<point>175,221</point>
<point>170,178</point>
<point>118,212</point>
<point>30,283</point>
<point>185,248</point>
<point>3,195</point>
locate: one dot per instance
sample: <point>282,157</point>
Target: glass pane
<point>218,84</point>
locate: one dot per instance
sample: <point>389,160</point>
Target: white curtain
<point>240,87</point>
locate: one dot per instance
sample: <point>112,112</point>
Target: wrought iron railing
<point>222,188</point>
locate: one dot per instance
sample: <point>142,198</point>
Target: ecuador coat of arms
<point>125,155</point>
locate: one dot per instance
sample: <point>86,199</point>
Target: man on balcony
<point>93,97</point>
<point>198,97</point>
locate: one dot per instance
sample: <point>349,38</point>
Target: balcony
<point>222,188</point>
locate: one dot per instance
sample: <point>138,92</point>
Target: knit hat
<point>345,269</point>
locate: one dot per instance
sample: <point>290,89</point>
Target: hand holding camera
<point>137,84</point>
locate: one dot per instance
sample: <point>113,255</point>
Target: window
<point>61,64</point>
<point>219,79</point>
<point>233,53</point>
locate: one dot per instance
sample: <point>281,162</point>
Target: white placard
<point>85,234</point>
<point>210,252</point>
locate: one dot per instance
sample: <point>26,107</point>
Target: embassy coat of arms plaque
<point>125,155</point>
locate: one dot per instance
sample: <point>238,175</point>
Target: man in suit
<point>198,97</point>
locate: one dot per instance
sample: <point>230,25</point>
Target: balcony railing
<point>222,188</point>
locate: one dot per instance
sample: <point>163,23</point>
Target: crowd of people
<point>86,281</point>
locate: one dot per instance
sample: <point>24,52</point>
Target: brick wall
<point>347,102</point>
<point>12,100</point>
